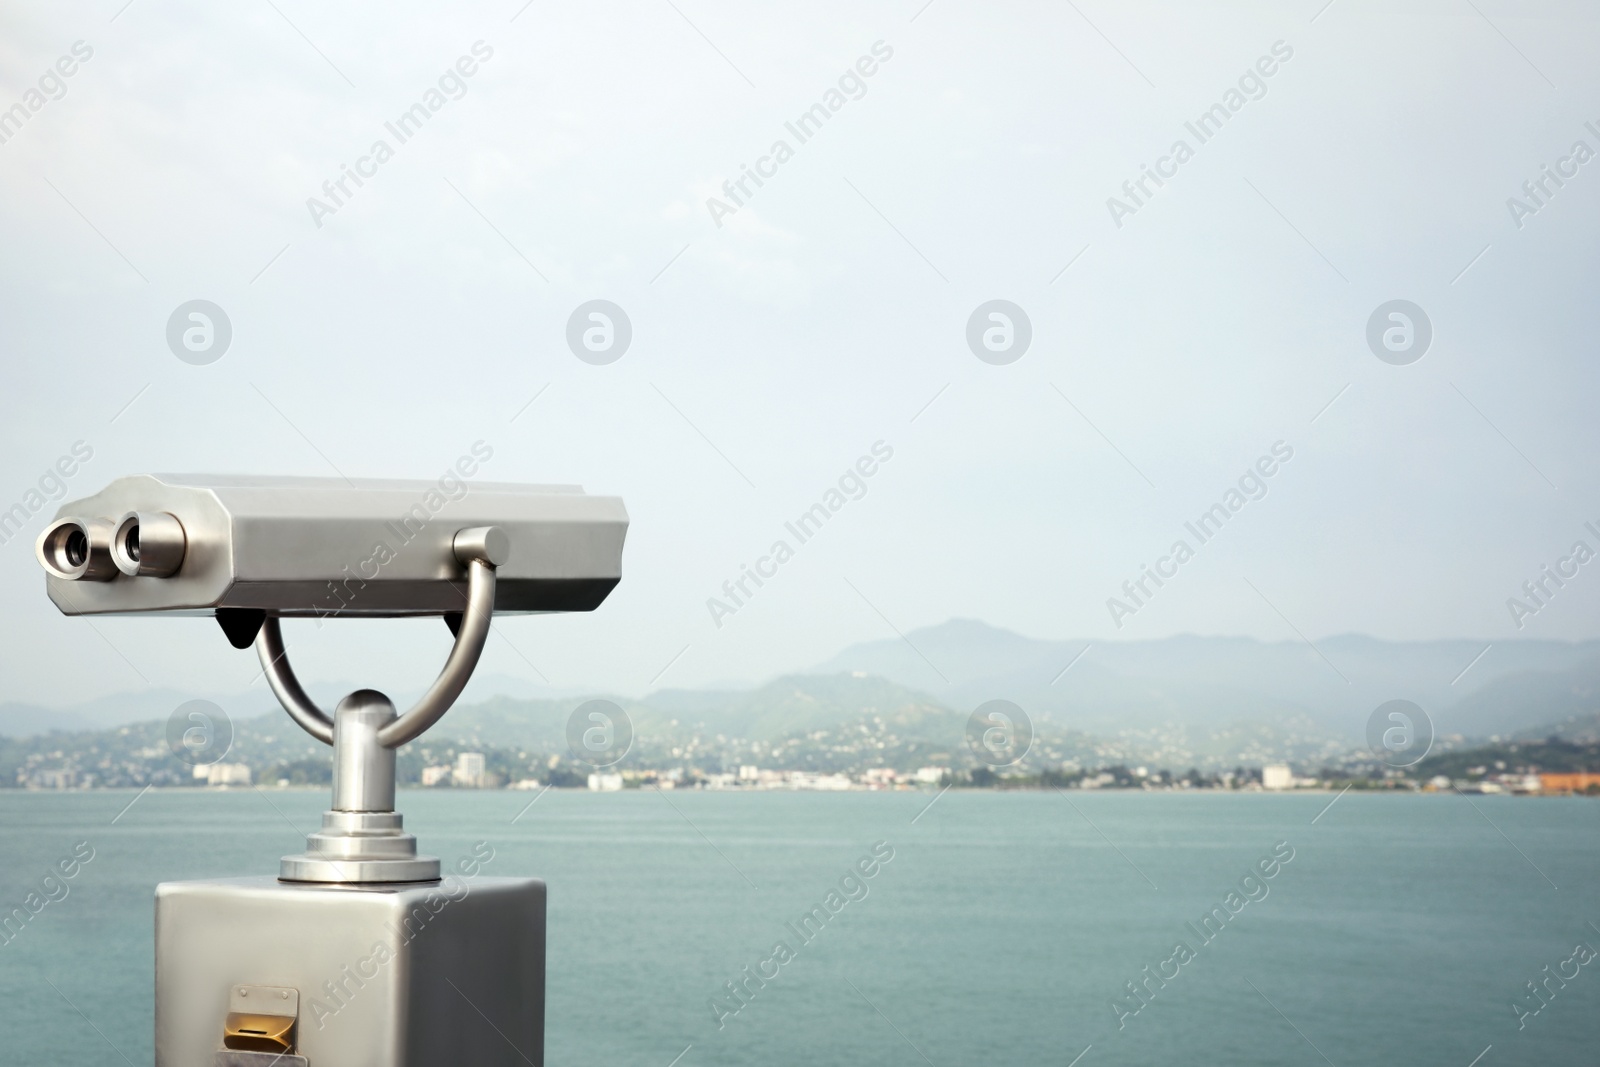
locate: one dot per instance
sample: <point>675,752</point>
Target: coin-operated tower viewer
<point>361,952</point>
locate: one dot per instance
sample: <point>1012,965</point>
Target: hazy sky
<point>1173,344</point>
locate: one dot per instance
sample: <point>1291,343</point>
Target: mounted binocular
<point>251,551</point>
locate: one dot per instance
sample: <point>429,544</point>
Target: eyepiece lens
<point>131,542</point>
<point>77,548</point>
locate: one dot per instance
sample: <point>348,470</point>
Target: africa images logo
<point>999,733</point>
<point>599,332</point>
<point>1399,332</point>
<point>1399,733</point>
<point>599,733</point>
<point>199,733</point>
<point>999,332</point>
<point>199,332</point>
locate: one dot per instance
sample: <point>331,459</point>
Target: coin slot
<point>261,1019</point>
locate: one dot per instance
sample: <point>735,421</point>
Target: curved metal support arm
<point>481,550</point>
<point>286,687</point>
<point>458,668</point>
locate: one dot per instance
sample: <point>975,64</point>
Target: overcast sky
<point>1174,339</point>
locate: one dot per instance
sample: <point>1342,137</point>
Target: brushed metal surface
<point>149,544</point>
<point>483,579</point>
<point>313,547</point>
<point>239,1058</point>
<point>363,769</point>
<point>357,842</point>
<point>360,846</point>
<point>432,974</point>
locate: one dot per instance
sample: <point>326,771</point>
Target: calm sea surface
<point>1399,933</point>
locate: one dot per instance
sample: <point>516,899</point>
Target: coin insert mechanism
<point>261,1019</point>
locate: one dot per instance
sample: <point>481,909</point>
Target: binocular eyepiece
<point>68,550</point>
<point>139,544</point>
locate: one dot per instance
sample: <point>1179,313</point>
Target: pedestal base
<point>360,847</point>
<point>399,975</point>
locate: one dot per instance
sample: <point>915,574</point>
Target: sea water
<point>993,929</point>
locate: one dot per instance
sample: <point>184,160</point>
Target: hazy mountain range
<point>1207,682</point>
<point>1207,691</point>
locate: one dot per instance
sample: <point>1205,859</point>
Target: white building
<point>470,771</point>
<point>930,775</point>
<point>605,783</point>
<point>824,782</point>
<point>435,775</point>
<point>226,773</point>
<point>749,772</point>
<point>53,779</point>
<point>1277,776</point>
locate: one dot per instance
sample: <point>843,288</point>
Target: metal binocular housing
<point>202,545</point>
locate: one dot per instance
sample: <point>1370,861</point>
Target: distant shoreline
<point>1317,791</point>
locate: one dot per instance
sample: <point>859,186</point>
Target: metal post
<point>363,768</point>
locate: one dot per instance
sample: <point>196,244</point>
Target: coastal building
<point>470,770</point>
<point>53,779</point>
<point>435,775</point>
<point>1277,776</point>
<point>824,782</point>
<point>1568,783</point>
<point>224,773</point>
<point>605,783</point>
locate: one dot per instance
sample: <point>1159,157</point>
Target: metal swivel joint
<point>362,839</point>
